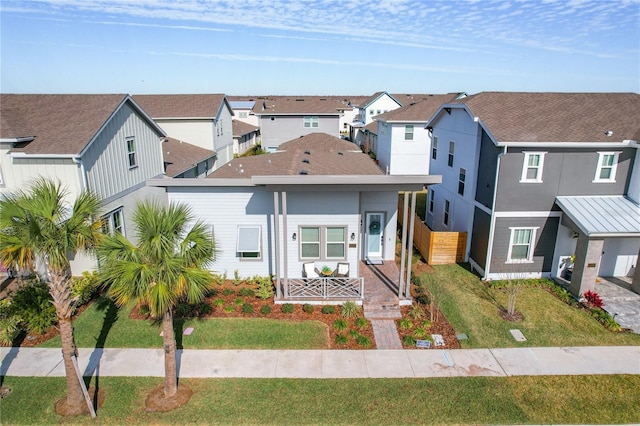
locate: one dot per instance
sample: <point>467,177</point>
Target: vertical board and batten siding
<point>224,210</point>
<point>285,128</point>
<point>223,141</point>
<point>436,247</point>
<point>542,249</point>
<point>486,173</point>
<point>196,132</point>
<point>106,161</point>
<point>20,173</point>
<point>385,202</point>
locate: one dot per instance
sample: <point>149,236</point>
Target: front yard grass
<point>103,325</point>
<point>472,308</point>
<point>471,400</point>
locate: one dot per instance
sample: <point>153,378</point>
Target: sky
<point>318,47</point>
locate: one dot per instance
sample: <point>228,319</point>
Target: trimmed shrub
<point>409,341</point>
<point>183,310</point>
<point>229,309</point>
<point>32,304</point>
<point>354,333</point>
<point>308,308</point>
<point>265,288</point>
<point>361,322</point>
<point>341,339</point>
<point>265,310</point>
<point>218,302</point>
<point>238,301</point>
<point>423,299</point>
<point>340,324</point>
<point>246,292</point>
<point>349,309</point>
<point>83,288</point>
<point>204,308</point>
<point>287,308</point>
<point>328,309</point>
<point>363,341</point>
<point>247,308</point>
<point>228,292</point>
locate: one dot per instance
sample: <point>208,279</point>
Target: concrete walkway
<point>331,363</point>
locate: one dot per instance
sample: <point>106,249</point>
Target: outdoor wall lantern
<point>293,237</point>
<point>353,236</point>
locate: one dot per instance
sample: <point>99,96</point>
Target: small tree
<point>513,283</point>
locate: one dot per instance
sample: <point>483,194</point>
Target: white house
<point>243,110</point>
<point>244,137</point>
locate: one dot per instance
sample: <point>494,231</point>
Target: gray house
<point>540,179</point>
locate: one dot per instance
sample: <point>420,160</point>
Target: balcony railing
<point>331,288</point>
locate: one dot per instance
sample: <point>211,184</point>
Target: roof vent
<point>299,100</point>
<point>609,133</point>
<point>307,152</point>
<point>304,172</point>
<point>340,153</point>
<point>306,160</point>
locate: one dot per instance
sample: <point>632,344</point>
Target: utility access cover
<point>517,334</point>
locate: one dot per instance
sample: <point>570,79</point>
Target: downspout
<point>487,265</point>
<point>403,249</point>
<point>83,172</point>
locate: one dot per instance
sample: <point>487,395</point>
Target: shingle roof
<point>61,124</point>
<point>557,117</point>
<point>181,106</point>
<point>316,154</point>
<point>420,108</point>
<point>372,127</point>
<point>240,128</point>
<point>298,105</point>
<point>180,156</point>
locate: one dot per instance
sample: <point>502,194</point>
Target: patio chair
<point>309,270</point>
<point>342,270</point>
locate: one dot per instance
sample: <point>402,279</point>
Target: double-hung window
<point>434,148</point>
<point>323,242</point>
<point>447,209</point>
<point>310,122</point>
<point>249,242</point>
<point>432,200</point>
<point>452,148</point>
<point>408,132</point>
<point>131,152</point>
<point>461,181</point>
<point>532,167</point>
<point>521,245</point>
<point>607,164</point>
<point>113,222</point>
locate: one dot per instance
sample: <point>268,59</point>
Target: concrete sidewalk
<point>326,364</point>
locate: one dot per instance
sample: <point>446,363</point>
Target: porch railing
<point>325,288</point>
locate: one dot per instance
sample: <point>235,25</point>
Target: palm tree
<point>166,266</point>
<point>40,225</point>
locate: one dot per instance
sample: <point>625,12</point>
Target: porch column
<point>635,283</point>
<point>276,228</point>
<point>403,248</point>
<point>285,239</point>
<point>587,264</point>
<point>407,288</point>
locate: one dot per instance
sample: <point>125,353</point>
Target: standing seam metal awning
<point>603,216</point>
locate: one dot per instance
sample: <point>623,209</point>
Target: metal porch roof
<point>603,216</point>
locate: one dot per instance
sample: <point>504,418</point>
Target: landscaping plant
<point>349,309</point>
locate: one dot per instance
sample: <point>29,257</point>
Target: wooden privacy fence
<point>437,248</point>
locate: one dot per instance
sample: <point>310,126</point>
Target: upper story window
<point>371,112</point>
<point>447,208</point>
<point>432,197</point>
<point>532,167</point>
<point>434,148</point>
<point>249,242</point>
<point>113,222</point>
<point>461,181</point>
<point>521,245</point>
<point>242,114</point>
<point>452,148</point>
<point>310,122</point>
<point>131,152</point>
<point>408,132</point>
<point>607,165</point>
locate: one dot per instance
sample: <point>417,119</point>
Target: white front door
<point>374,237</point>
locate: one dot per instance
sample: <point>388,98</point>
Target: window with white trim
<point>408,132</point>
<point>310,122</point>
<point>607,165</point>
<point>242,114</point>
<point>249,242</point>
<point>113,222</point>
<point>532,167</point>
<point>521,245</point>
<point>432,198</point>
<point>462,177</point>
<point>447,208</point>
<point>323,242</point>
<point>434,148</point>
<point>452,148</point>
<point>131,152</point>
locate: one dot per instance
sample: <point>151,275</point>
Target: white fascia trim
<point>185,118</point>
<point>528,214</point>
<point>74,157</point>
<point>482,207</point>
<point>550,144</point>
<point>17,140</point>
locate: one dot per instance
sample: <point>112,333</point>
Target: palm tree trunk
<point>170,371</point>
<point>75,397</point>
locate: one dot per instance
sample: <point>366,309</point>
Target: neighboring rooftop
<point>313,154</point>
<point>61,124</point>
<point>242,104</point>
<point>557,117</point>
<point>285,105</point>
<point>419,109</point>
<point>181,156</point>
<point>181,106</point>
<point>240,128</point>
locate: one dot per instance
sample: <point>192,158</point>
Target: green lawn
<point>477,400</point>
<point>472,308</point>
<point>103,325</point>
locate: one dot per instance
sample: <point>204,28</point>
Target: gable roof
<point>315,153</point>
<point>557,117</point>
<point>419,110</point>
<point>59,124</point>
<point>180,156</point>
<point>183,105</point>
<point>375,97</point>
<point>300,105</point>
<point>240,128</point>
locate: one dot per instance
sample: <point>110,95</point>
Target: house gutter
<point>83,172</point>
<point>487,265</point>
